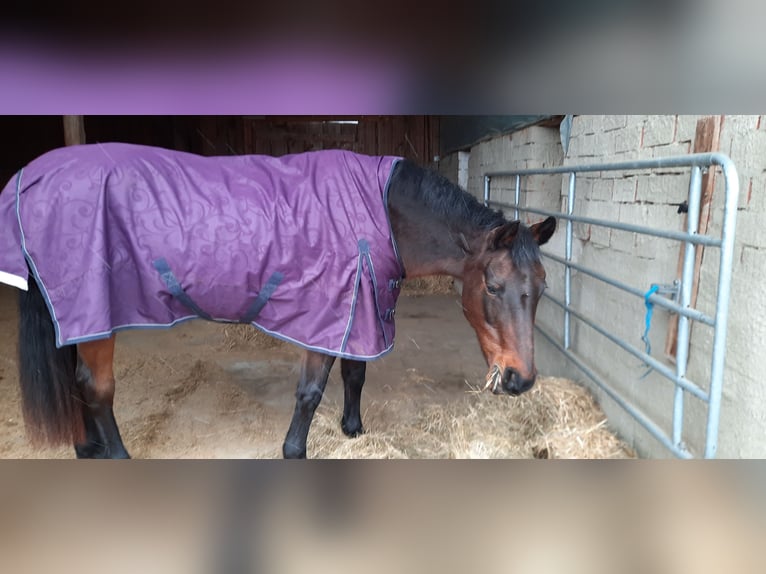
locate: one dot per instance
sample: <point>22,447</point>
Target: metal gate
<point>681,303</point>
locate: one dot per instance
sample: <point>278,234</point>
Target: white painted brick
<point>624,189</point>
<point>653,216</point>
<point>686,128</point>
<point>745,192</point>
<point>527,151</point>
<point>582,125</point>
<point>601,210</point>
<point>650,247</point>
<point>597,124</point>
<point>659,130</point>
<point>575,147</point>
<point>637,154</point>
<point>584,188</point>
<point>627,139</point>
<point>548,155</point>
<point>541,134</point>
<point>623,241</point>
<point>636,120</point>
<point>753,263</point>
<point>606,143</point>
<point>750,230</point>
<point>757,195</point>
<point>663,189</point>
<point>549,184</point>
<point>600,236</point>
<point>580,230</point>
<point>634,213</point>
<point>589,145</point>
<point>614,122</point>
<point>602,189</point>
<point>748,151</point>
<point>737,124</point>
<point>670,150</point>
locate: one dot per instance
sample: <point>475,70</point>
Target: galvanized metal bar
<point>517,196</point>
<point>568,269</point>
<point>675,235</point>
<point>722,305</point>
<point>648,359</point>
<point>639,416</point>
<point>698,159</point>
<point>685,298</point>
<point>691,238</point>
<point>658,300</point>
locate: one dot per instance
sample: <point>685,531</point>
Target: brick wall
<point>648,198</point>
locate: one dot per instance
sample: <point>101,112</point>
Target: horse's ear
<point>502,236</point>
<point>543,230</point>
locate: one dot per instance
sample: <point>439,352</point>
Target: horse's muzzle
<point>514,384</point>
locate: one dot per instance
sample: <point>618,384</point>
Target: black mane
<point>445,199</point>
<point>458,208</point>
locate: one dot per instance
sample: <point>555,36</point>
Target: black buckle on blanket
<point>389,315</point>
<point>394,284</point>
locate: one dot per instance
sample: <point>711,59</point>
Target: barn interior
<point>207,390</point>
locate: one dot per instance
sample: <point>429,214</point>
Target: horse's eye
<point>493,289</point>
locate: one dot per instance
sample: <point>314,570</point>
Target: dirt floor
<point>202,390</point>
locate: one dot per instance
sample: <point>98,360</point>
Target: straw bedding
<point>557,419</point>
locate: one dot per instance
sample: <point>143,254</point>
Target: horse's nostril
<point>514,383</point>
<point>510,379</point>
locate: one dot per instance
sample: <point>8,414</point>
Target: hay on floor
<point>240,336</point>
<point>432,285</point>
<point>556,419</point>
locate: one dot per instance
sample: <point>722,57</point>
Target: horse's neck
<point>427,245</point>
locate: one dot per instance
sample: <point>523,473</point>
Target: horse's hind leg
<point>95,376</point>
<point>353,373</point>
<point>314,372</point>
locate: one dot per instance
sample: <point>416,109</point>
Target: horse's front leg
<point>353,379</point>
<point>314,372</point>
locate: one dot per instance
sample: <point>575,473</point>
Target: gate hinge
<point>672,291</point>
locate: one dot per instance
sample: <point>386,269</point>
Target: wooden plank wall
<point>414,137</point>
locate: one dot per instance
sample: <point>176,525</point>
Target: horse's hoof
<point>293,452</point>
<point>99,451</point>
<point>351,431</point>
<point>86,451</point>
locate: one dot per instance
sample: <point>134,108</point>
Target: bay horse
<point>432,225</point>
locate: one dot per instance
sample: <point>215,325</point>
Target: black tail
<point>51,402</point>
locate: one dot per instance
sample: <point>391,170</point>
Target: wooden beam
<point>706,140</point>
<point>74,130</point>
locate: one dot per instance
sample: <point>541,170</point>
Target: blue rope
<point>649,310</point>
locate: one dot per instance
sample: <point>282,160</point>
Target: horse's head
<point>502,283</point>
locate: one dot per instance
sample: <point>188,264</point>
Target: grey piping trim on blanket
<point>357,279</point>
<point>364,248</point>
<point>175,288</point>
<point>263,297</point>
<point>32,266</point>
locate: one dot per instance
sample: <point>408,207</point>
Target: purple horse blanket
<point>122,236</point>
